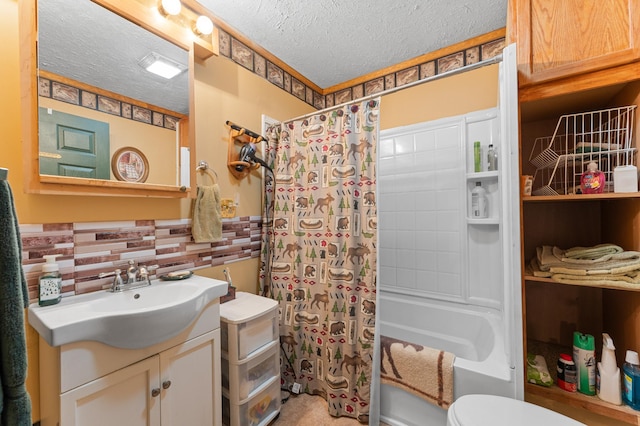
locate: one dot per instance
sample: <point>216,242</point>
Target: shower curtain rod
<point>496,59</point>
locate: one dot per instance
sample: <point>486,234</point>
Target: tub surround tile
<point>87,249</point>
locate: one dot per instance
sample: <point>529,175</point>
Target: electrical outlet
<point>295,388</point>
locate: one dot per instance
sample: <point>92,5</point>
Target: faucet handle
<point>117,283</point>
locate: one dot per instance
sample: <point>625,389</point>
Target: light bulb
<point>170,7</point>
<point>203,25</point>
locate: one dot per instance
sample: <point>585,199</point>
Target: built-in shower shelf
<point>483,175</point>
<point>548,396</point>
<point>488,221</point>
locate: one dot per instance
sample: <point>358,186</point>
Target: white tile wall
<point>426,244</point>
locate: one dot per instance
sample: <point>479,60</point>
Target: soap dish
<point>175,276</point>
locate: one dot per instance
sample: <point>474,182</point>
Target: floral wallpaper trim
<point>243,55</point>
<point>87,249</point>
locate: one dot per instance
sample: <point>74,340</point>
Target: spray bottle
<point>50,282</point>
<point>608,379</point>
<point>585,359</point>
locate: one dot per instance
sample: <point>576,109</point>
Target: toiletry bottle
<point>477,157</point>
<point>584,357</point>
<point>631,380</point>
<point>50,282</point>
<point>479,202</point>
<point>492,158</point>
<point>608,378</point>
<point>592,181</point>
<point>566,373</point>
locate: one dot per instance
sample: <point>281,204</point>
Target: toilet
<point>492,410</point>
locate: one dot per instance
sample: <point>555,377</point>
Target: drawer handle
<point>166,385</point>
<point>155,392</point>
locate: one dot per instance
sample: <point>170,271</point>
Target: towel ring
<point>203,166</point>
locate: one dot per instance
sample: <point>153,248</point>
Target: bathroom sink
<point>129,319</point>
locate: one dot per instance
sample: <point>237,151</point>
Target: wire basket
<point>604,137</point>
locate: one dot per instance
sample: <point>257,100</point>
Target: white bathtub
<point>474,335</point>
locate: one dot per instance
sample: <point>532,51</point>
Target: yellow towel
<point>425,372</point>
<point>207,215</point>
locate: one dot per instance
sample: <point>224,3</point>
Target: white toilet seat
<point>492,410</point>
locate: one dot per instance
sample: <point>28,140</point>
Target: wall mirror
<point>83,67</point>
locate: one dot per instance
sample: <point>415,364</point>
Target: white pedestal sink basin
<point>130,319</point>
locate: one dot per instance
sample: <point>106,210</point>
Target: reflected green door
<point>73,146</point>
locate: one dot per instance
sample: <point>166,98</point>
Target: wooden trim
<point>592,80</point>
<point>472,42</point>
<point>64,185</point>
<point>107,93</point>
<point>266,54</point>
<point>172,29</point>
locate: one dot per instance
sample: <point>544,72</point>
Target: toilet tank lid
<point>493,410</point>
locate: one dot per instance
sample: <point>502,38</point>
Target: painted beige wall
<point>158,144</point>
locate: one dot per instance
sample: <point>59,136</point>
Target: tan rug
<point>425,372</point>
<point>310,410</point>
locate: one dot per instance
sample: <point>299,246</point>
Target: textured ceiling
<point>333,41</point>
<point>94,46</point>
<point>327,41</point>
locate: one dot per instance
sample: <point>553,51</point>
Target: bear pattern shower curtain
<point>319,252</point>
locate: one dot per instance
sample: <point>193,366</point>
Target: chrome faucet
<point>137,276</point>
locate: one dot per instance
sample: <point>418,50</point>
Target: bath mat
<point>425,372</point>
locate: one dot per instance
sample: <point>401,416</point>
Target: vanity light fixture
<point>203,26</point>
<point>170,7</point>
<point>161,65</point>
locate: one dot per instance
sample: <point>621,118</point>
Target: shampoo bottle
<point>492,158</point>
<point>608,379</point>
<point>631,380</point>
<point>479,203</point>
<point>584,357</point>
<point>50,282</point>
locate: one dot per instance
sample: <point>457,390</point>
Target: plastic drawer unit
<point>250,360</point>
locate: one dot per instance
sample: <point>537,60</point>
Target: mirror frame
<point>139,13</point>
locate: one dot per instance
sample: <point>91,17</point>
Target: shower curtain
<point>319,251</point>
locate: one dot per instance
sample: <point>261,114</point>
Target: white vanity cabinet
<point>176,382</point>
<point>250,360</point>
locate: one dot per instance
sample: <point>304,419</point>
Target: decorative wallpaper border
<point>248,58</point>
<point>87,249</point>
<point>50,88</point>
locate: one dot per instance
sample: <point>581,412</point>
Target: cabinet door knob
<point>155,392</point>
<point>166,385</point>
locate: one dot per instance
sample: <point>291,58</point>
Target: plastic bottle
<point>608,379</point>
<point>566,373</point>
<point>584,356</point>
<point>492,158</point>
<point>631,381</point>
<point>479,202</point>
<point>477,157</point>
<point>50,282</point>
<point>592,181</point>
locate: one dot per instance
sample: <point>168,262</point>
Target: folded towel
<point>14,297</point>
<point>207,215</point>
<point>425,372</point>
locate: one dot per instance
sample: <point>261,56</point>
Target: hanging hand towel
<point>14,297</point>
<point>207,215</point>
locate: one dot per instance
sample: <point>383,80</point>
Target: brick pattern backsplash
<point>87,249</point>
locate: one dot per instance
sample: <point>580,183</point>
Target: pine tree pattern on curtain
<point>322,254</point>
